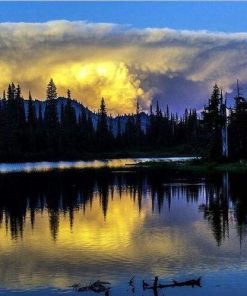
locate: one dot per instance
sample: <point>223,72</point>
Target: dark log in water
<point>193,283</point>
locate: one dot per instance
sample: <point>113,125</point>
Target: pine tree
<point>102,126</point>
<point>238,127</point>
<point>3,125</point>
<point>138,129</point>
<point>15,121</point>
<point>69,126</point>
<point>51,117</point>
<point>213,122</point>
<point>20,107</point>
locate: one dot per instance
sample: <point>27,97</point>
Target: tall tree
<point>51,117</point>
<point>138,128</point>
<point>213,123</point>
<point>102,126</point>
<point>69,125</point>
<point>238,127</point>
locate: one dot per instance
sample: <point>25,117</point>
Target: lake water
<point>62,227</point>
<point>47,166</point>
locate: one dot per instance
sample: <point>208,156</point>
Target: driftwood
<point>103,287</point>
<point>97,287</point>
<point>193,283</point>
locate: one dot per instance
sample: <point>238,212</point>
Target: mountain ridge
<point>79,107</point>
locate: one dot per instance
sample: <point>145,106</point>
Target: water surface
<point>46,166</point>
<point>60,228</point>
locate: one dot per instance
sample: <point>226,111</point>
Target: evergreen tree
<point>238,128</point>
<point>213,123</point>
<point>69,125</point>
<point>3,125</point>
<point>68,135</point>
<point>138,129</point>
<point>102,127</point>
<point>20,108</point>
<point>51,117</point>
<point>15,120</point>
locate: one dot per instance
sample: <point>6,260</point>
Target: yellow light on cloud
<point>111,80</point>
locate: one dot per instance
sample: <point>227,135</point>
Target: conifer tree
<point>238,127</point>
<point>69,125</point>
<point>213,123</point>
<point>102,126</point>
<point>51,117</point>
<point>138,130</point>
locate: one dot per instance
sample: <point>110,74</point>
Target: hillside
<point>79,107</point>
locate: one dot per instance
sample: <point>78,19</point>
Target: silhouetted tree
<point>102,133</point>
<point>69,125</point>
<point>213,123</point>
<point>51,117</point>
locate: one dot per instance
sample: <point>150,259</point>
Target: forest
<point>28,132</point>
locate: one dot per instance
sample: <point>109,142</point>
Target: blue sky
<point>212,16</point>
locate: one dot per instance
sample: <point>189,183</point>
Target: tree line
<point>218,119</point>
<point>28,133</point>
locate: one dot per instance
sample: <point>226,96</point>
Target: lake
<point>47,166</point>
<point>62,227</point>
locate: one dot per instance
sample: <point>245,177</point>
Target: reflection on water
<point>61,228</point>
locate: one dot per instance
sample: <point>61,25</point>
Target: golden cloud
<point>120,63</point>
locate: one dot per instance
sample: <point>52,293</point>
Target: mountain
<point>78,109</point>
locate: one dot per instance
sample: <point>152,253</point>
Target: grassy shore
<point>183,150</point>
<point>199,165</point>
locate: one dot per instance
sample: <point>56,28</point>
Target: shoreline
<point>197,166</point>
<point>158,160</point>
<point>88,156</point>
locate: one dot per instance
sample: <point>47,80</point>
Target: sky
<point>125,51</point>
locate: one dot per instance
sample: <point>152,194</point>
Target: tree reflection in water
<point>64,193</point>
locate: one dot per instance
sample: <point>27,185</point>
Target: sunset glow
<point>111,80</point>
<point>122,64</point>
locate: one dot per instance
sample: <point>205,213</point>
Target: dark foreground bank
<point>199,164</point>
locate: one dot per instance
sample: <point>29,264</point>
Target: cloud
<point>121,63</point>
